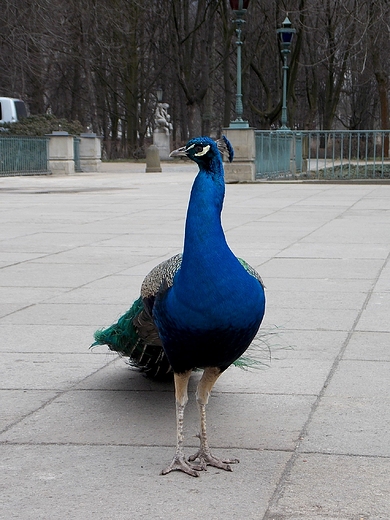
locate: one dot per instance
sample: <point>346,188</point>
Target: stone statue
<point>162,119</point>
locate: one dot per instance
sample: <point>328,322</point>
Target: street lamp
<point>239,8</point>
<point>159,93</point>
<point>286,33</point>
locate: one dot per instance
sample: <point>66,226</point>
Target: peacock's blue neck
<point>204,236</point>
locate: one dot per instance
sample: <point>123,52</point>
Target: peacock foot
<point>207,459</point>
<point>179,463</point>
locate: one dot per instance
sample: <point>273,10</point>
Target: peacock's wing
<point>135,334</point>
<point>251,270</point>
<point>160,276</point>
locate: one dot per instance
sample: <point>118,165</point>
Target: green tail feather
<point>122,336</point>
<point>246,363</point>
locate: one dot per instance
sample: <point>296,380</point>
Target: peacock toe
<point>206,458</point>
<point>179,463</point>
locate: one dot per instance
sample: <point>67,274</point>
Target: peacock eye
<point>198,148</point>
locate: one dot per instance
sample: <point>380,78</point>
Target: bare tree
<point>193,29</point>
<point>101,61</point>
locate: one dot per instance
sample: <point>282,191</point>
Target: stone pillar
<point>243,166</point>
<point>61,153</point>
<point>152,160</point>
<point>90,152</point>
<point>162,139</point>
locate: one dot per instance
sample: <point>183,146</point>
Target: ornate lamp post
<point>286,33</point>
<point>159,94</point>
<point>239,8</point>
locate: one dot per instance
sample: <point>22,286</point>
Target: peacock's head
<point>203,150</point>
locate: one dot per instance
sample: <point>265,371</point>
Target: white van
<point>12,110</point>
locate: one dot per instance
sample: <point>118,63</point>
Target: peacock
<point>198,310</point>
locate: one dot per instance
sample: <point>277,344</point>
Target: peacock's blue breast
<point>211,322</point>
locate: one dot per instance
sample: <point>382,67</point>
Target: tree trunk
<point>194,119</point>
<point>384,107</point>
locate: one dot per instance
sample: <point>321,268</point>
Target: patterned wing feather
<point>135,335</point>
<point>251,271</point>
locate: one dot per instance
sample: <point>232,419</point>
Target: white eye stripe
<point>204,151</point>
<point>189,148</point>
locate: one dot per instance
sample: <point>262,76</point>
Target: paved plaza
<point>84,437</point>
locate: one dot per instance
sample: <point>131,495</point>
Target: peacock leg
<point>179,461</point>
<point>206,458</point>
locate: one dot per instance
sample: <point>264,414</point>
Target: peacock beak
<point>180,152</point>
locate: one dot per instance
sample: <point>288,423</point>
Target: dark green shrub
<point>42,125</point>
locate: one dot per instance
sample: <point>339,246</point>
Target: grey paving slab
<point>352,417</point>
<point>43,371</point>
<point>121,226</point>
<point>293,216</point>
<point>374,202</point>
<point>342,251</point>
<point>320,268</point>
<point>313,319</point>
<point>351,426</point>
<point>50,338</point>
<point>348,231</point>
<point>115,289</point>
<point>7,259</point>
<point>119,292</point>
<point>63,314</point>
<point>284,343</point>
<point>89,482</point>
<point>95,255</point>
<point>310,285</point>
<point>322,487</point>
<point>29,295</point>
<point>260,232</point>
<point>383,283</point>
<point>46,242</point>
<point>85,436</point>
<point>376,315</point>
<point>17,404</point>
<point>32,274</point>
<point>369,346</point>
<point>337,301</point>
<point>281,376</point>
<point>7,309</point>
<point>147,240</point>
<point>358,378</point>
